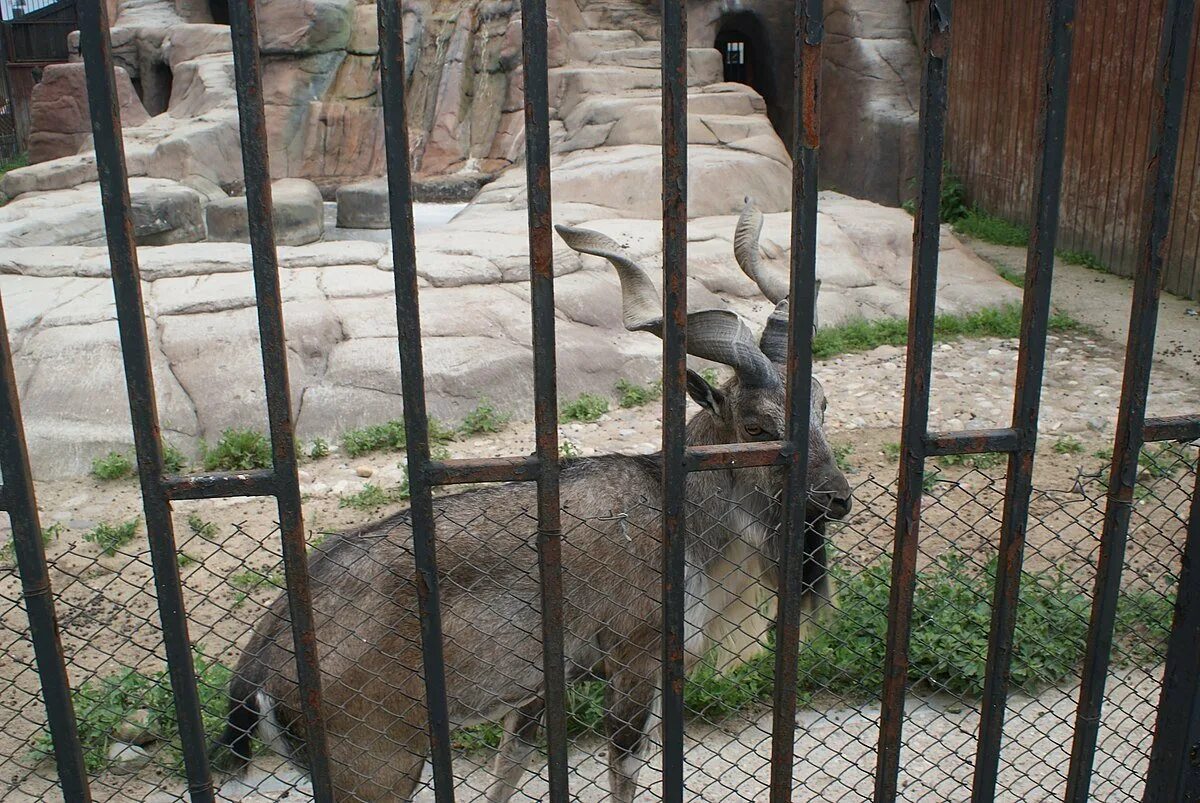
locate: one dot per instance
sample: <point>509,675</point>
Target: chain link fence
<point>105,595</point>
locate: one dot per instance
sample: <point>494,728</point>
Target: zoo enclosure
<point>1172,773</point>
<point>992,143</point>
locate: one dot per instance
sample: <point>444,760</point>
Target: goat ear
<point>704,394</point>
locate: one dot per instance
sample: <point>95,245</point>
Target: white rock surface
<point>341,320</point>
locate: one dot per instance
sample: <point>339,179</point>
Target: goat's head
<point>752,405</point>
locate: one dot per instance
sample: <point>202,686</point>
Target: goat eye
<point>753,431</point>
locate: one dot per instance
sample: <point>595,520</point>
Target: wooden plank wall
<point>995,65</point>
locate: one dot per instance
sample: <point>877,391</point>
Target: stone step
<point>585,45</point>
<point>569,86</point>
<point>650,56</point>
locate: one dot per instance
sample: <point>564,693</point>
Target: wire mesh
<point>488,563</point>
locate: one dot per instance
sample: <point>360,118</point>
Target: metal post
<point>806,132</point>
<point>17,498</point>
<point>1039,270</point>
<point>674,418</point>
<point>139,382</point>
<point>922,296</point>
<point>412,377</point>
<point>256,167</point>
<point>1168,101</point>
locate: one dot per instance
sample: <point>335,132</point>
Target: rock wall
<point>321,69</point>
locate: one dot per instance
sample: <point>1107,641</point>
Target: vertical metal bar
<point>1168,98</point>
<point>19,501</point>
<point>412,377</point>
<point>243,21</point>
<point>922,295</point>
<point>1039,270</point>
<point>806,132</point>
<point>541,254</point>
<point>1174,772</point>
<point>674,417</point>
<point>139,382</point>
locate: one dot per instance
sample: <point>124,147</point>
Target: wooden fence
<point>994,75</point>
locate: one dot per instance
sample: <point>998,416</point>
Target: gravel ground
<point>109,621</point>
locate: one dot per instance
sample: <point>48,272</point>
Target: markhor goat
<point>365,601</point>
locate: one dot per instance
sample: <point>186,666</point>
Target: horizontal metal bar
<point>483,469</point>
<point>972,441</point>
<point>221,484</point>
<point>1172,428</point>
<point>737,455</point>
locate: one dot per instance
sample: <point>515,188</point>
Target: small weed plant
<point>113,466</point>
<point>484,418</point>
<point>631,394</point>
<point>1067,445</point>
<point>8,553</point>
<point>111,537</point>
<point>588,407</point>
<point>238,450</point>
<point>372,497</point>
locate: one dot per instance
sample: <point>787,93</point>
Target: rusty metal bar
<point>971,441</point>
<point>220,485</point>
<point>1168,100</point>
<point>922,297</point>
<point>541,276</point>
<point>737,455</point>
<point>19,502</point>
<point>483,469</point>
<point>256,166</point>
<point>1031,361</point>
<point>139,382</point>
<point>1172,428</point>
<point>1174,772</point>
<point>806,132</point>
<point>674,417</point>
<point>412,377</point>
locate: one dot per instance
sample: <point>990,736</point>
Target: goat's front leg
<point>631,714</point>
<point>516,747</point>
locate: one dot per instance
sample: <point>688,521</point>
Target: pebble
<point>135,729</point>
<point>126,758</point>
<point>364,471</point>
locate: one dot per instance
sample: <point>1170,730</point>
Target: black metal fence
<point>888,767</point>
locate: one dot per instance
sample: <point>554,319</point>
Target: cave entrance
<point>219,9</point>
<point>746,49</point>
<point>153,87</point>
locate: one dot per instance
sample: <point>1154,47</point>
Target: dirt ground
<point>107,608</point>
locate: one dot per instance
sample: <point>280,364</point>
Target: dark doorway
<point>219,10</point>
<point>746,50</point>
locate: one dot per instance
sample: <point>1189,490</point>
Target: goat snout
<point>834,500</point>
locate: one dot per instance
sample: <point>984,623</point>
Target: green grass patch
<point>105,705</point>
<point>111,537</point>
<point>186,560</point>
<point>317,449</point>
<point>238,450</point>
<point>1083,259</point>
<point>891,451</point>
<point>631,394</point>
<point>373,497</point>
<point>588,407</point>
<point>989,228</point>
<point>113,466</point>
<point>389,436</point>
<point>841,456</point>
<point>951,620</point>
<point>1067,445</point>
<point>862,335</point>
<point>484,418</point>
<point>174,461</point>
<point>8,552</point>
<point>199,526</point>
<point>568,449</point>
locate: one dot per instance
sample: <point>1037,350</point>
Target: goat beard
<point>744,628</point>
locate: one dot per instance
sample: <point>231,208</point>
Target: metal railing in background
<point>1170,766</point>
